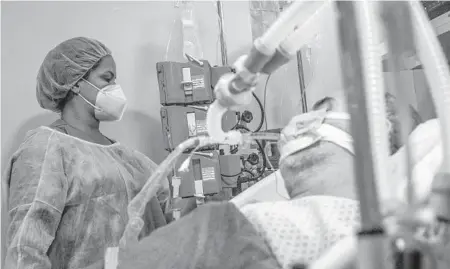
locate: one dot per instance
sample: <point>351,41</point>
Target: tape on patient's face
<point>301,133</point>
<point>299,144</point>
<point>304,123</point>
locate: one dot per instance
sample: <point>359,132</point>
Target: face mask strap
<point>94,106</point>
<point>103,89</point>
<point>77,92</point>
<point>95,87</point>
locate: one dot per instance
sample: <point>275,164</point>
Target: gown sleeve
<point>37,190</point>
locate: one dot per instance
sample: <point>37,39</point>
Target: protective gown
<point>68,200</point>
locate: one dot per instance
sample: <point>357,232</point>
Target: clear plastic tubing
<point>376,107</point>
<point>437,72</point>
<point>282,27</point>
<point>191,40</point>
<point>305,31</point>
<point>137,205</point>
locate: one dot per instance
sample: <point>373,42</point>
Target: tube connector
<point>245,79</point>
<point>440,196</point>
<point>258,57</point>
<point>279,59</point>
<point>231,99</point>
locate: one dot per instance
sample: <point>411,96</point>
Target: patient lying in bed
<point>323,209</point>
<point>319,178</point>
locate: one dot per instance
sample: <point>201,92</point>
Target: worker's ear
<point>327,103</point>
<point>76,88</point>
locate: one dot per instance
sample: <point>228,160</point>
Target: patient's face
<point>324,169</point>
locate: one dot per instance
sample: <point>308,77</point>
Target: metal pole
<point>301,81</point>
<point>223,45</point>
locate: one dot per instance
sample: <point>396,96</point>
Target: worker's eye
<point>109,80</point>
<point>108,77</point>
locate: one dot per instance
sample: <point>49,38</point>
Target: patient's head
<point>327,169</point>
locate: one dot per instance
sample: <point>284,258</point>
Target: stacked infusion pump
<point>186,91</point>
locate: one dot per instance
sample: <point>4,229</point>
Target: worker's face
<point>101,76</point>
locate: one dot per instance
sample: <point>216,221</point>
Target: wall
<point>320,57</point>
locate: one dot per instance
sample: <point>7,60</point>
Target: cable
<point>235,175</point>
<point>261,107</point>
<point>263,169</point>
<point>238,123</point>
<point>263,114</point>
<point>261,122</point>
<point>244,170</point>
<point>241,127</point>
<point>265,97</point>
<point>240,180</point>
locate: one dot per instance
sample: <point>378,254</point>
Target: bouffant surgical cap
<point>64,66</point>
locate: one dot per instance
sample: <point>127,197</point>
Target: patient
<point>319,178</point>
